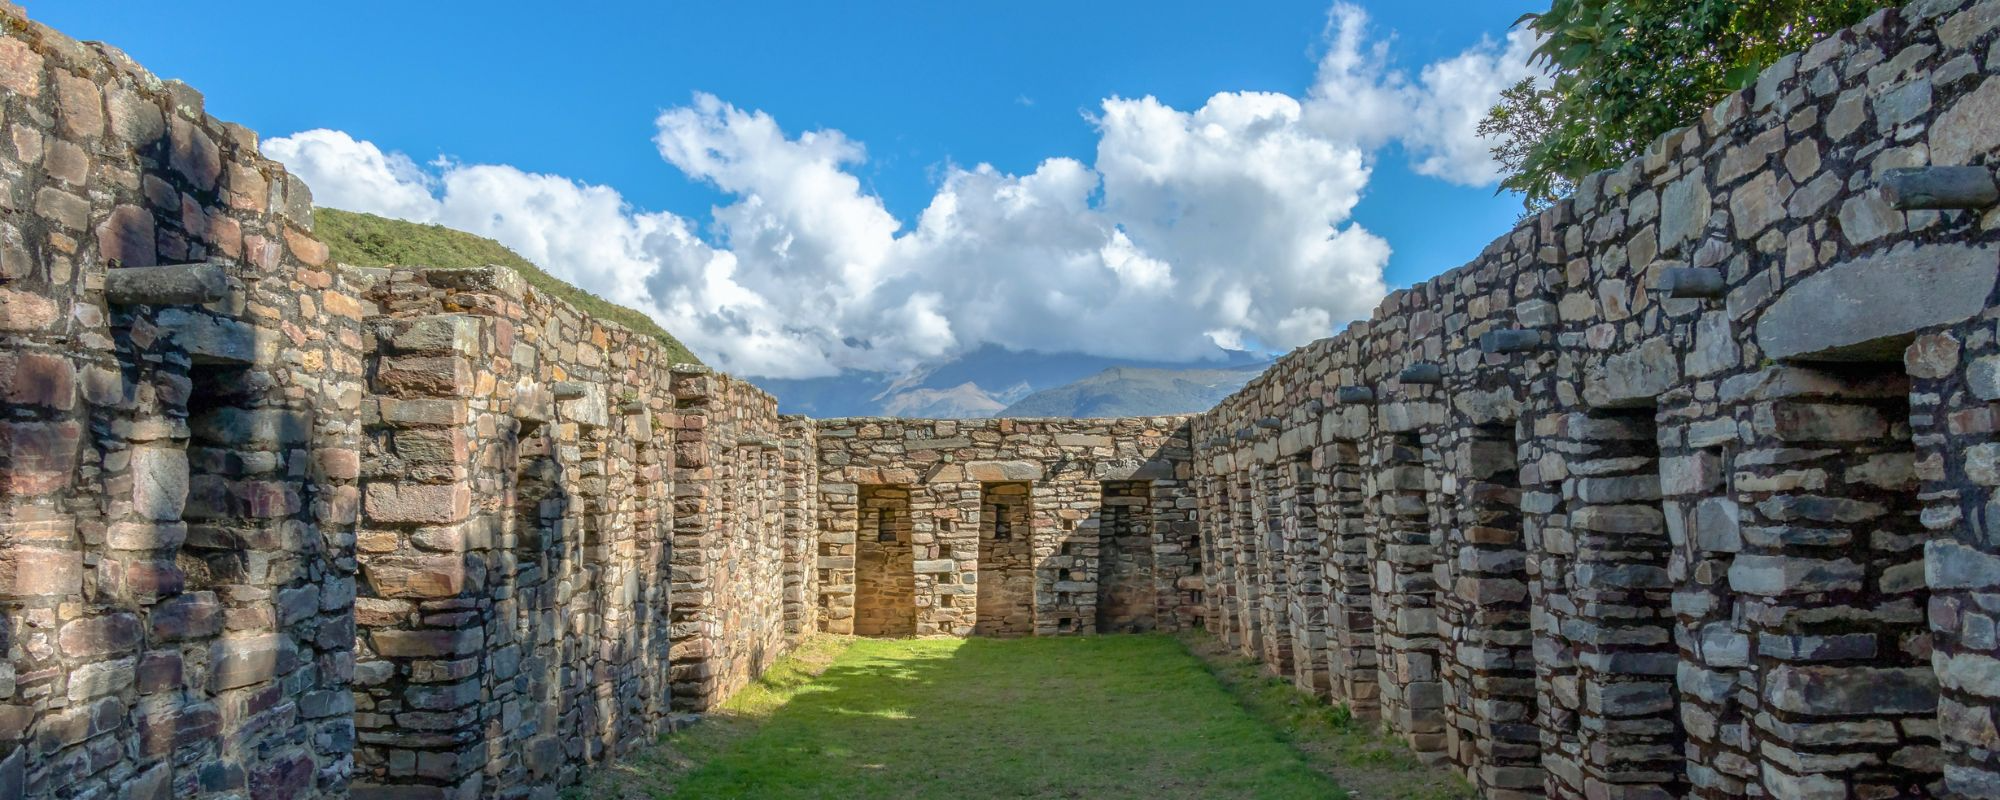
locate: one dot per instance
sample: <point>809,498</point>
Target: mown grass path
<point>1085,717</point>
<point>1061,717</point>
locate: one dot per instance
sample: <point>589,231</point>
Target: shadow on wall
<point>1011,527</point>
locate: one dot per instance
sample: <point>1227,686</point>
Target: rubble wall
<point>178,463</point>
<point>565,538</point>
<point>1682,487</point>
<point>927,487</point>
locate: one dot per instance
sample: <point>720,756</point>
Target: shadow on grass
<point>1082,717</point>
<point>1350,751</point>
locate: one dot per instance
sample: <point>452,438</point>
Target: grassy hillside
<point>366,240</point>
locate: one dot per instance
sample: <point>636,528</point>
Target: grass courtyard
<point>1073,717</point>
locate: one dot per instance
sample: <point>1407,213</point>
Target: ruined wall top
<point>1772,183</point>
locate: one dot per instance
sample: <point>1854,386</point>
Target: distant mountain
<point>981,383</point>
<point>366,240</point>
<point>1137,392</point>
<point>964,401</point>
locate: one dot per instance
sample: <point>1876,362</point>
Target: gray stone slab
<point>1870,308</point>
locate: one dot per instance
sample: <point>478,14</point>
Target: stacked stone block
<point>1125,585</point>
<point>942,478</point>
<point>1742,376</point>
<point>1006,585</point>
<point>1680,489</point>
<point>180,390</point>
<point>565,538</point>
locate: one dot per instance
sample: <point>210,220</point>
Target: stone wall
<point>1681,488</point>
<point>560,538</point>
<point>909,508</point>
<point>564,538</point>
<point>178,452</point>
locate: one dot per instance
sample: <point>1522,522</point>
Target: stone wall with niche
<point>1681,487</point>
<point>181,382</point>
<point>565,538</point>
<point>939,483</point>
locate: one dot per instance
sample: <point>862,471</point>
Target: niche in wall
<point>1006,561</point>
<point>885,580</point>
<point>1126,601</point>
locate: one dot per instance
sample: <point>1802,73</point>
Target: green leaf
<point>1741,76</point>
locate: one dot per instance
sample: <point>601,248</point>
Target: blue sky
<point>577,91</point>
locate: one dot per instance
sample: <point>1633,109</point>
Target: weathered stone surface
<point>212,339</point>
<point>23,311</point>
<point>249,660</point>
<point>159,482</point>
<point>1870,308</point>
<point>1780,575</point>
<point>129,236</point>
<point>260,428</point>
<point>416,502</point>
<point>1969,127</point>
<point>418,576</point>
<point>1912,188</point>
<point>191,616</point>
<point>175,285</point>
<point>1003,471</point>
<point>37,379</point>
<point>1847,691</point>
<point>97,637</point>
<point>1633,379</point>
<point>426,643</point>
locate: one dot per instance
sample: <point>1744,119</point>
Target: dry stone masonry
<point>1006,526</point>
<point>1683,488</point>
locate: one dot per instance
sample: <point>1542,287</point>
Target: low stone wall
<point>1682,487</point>
<point>925,490</point>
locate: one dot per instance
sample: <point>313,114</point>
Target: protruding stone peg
<point>1245,434</point>
<point>1422,375</point>
<point>1269,422</point>
<point>174,285</point>
<point>1914,188</point>
<point>1354,395</point>
<point>1691,282</point>
<point>631,407</point>
<point>1510,341</point>
<point>568,390</point>
<point>1314,407</point>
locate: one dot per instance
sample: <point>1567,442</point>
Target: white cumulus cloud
<point>1226,225</point>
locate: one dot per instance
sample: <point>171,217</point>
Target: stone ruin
<point>1683,488</point>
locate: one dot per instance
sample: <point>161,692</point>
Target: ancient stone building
<point>1680,489</point>
<point>1006,527</point>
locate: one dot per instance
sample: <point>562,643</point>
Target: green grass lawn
<point>1065,717</point>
